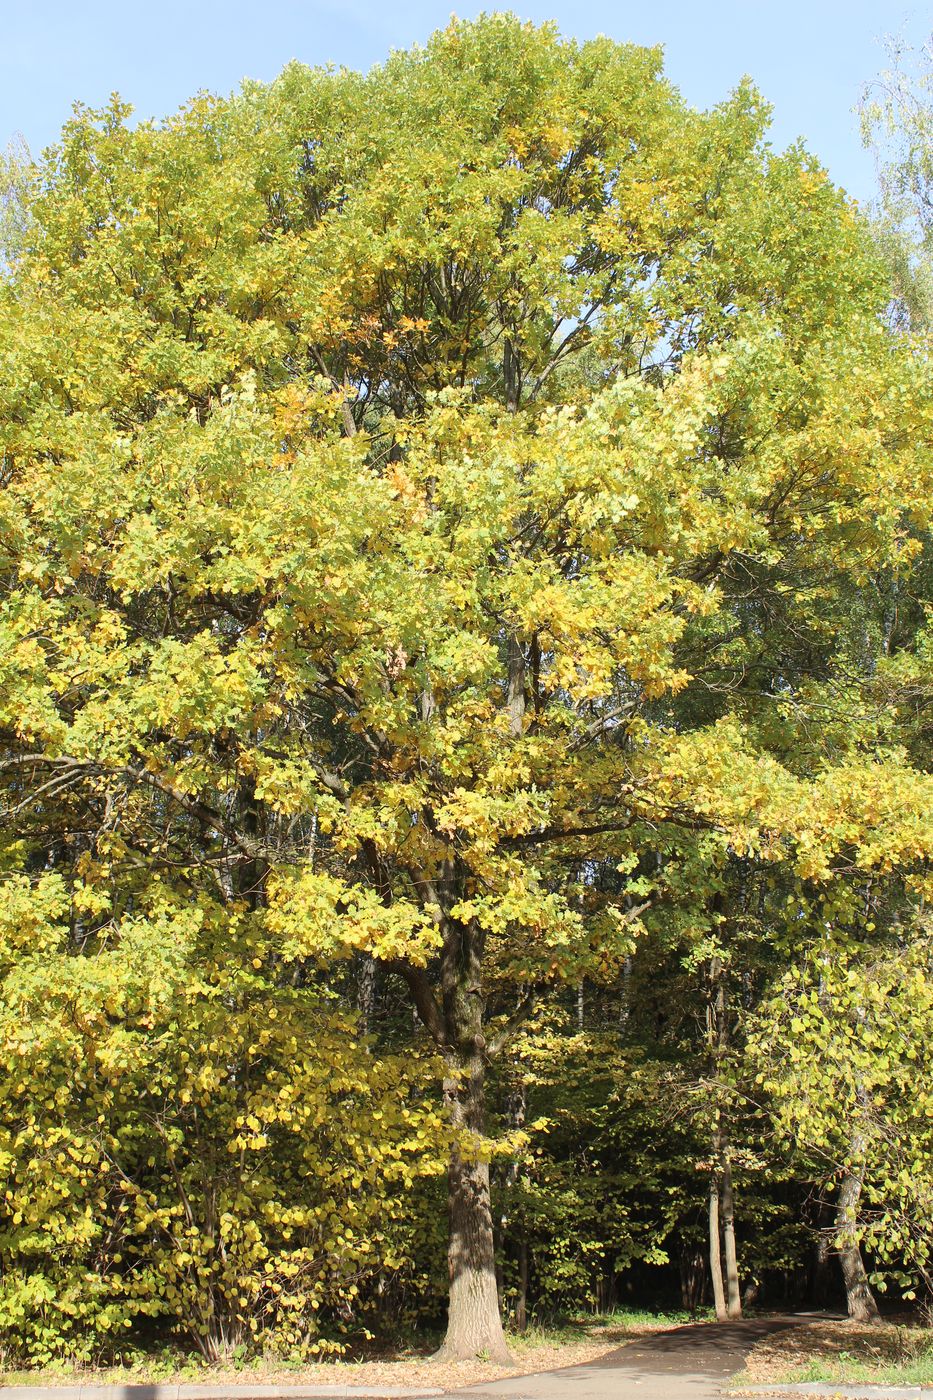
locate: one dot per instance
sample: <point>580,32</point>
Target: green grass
<point>894,1356</point>
<point>625,1317</point>
<point>621,1322</point>
<point>647,1317</point>
<point>918,1370</point>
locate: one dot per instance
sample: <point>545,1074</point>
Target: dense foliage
<point>464,656</point>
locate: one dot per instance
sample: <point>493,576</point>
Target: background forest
<point>465,730</point>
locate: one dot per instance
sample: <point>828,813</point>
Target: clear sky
<point>809,57</point>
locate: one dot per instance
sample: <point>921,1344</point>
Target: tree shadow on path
<point>710,1348</point>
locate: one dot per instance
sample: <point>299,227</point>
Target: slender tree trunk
<point>516,1107</point>
<point>860,1300</point>
<point>521,1297</point>
<point>859,1297</point>
<point>516,687</point>
<point>733,1296</point>
<point>625,998</point>
<point>728,1299</point>
<point>715,1254</point>
<point>819,1272</point>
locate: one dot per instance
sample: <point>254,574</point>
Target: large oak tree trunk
<point>474,1324</point>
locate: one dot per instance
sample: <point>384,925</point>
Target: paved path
<point>687,1363</point>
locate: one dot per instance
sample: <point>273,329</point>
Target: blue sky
<point>809,59</point>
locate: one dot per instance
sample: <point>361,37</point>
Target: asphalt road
<point>686,1363</point>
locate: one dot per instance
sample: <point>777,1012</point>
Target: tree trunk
<point>474,1325</point>
<point>692,1278</point>
<point>625,996</point>
<point>819,1271</point>
<point>859,1297</point>
<point>715,1255</point>
<point>521,1296</point>
<point>515,1109</point>
<point>728,1299</point>
<point>733,1296</point>
<point>516,688</point>
<point>366,991</point>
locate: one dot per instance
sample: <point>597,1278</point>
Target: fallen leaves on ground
<point>781,1356</point>
<point>400,1369</point>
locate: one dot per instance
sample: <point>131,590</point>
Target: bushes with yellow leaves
<point>192,1133</point>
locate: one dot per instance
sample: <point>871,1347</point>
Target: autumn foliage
<point>463,549</point>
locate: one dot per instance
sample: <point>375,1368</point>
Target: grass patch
<point>622,1323</point>
<point>843,1353</point>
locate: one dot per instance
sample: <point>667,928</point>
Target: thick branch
<point>521,1013</point>
<point>423,997</point>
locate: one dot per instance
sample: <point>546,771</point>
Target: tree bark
<point>728,1299</point>
<point>715,1254</point>
<point>366,991</point>
<point>521,1296</point>
<point>819,1273</point>
<point>692,1277</point>
<point>733,1296</point>
<point>625,996</point>
<point>516,1107</point>
<point>859,1297</point>
<point>474,1324</point>
<point>516,688</point>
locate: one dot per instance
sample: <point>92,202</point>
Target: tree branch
<point>521,1013</point>
<point>423,997</point>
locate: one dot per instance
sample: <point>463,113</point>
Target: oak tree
<point>386,463</point>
